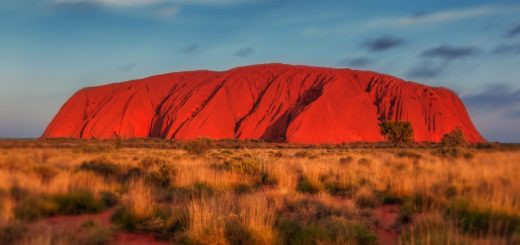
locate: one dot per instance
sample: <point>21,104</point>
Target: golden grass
<point>140,199</point>
<point>487,182</point>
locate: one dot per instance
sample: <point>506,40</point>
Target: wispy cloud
<point>141,3</point>
<point>495,96</point>
<point>244,52</point>
<point>435,61</point>
<point>189,49</point>
<point>168,11</point>
<point>513,32</point>
<point>448,52</point>
<point>426,70</point>
<point>128,67</point>
<point>505,49</point>
<point>359,62</point>
<point>382,43</point>
<point>495,111</point>
<point>443,16</point>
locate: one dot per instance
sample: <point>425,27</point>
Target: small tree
<point>397,132</point>
<point>453,139</point>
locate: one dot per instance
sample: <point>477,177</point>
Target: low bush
<point>244,165</point>
<point>305,185</point>
<point>364,162</point>
<point>40,206</point>
<point>346,160</point>
<point>78,202</point>
<point>267,179</point>
<point>161,223</point>
<point>332,230</point>
<point>101,167</point>
<point>455,138</point>
<point>198,146</point>
<point>366,200</point>
<point>337,188</point>
<point>301,154</point>
<point>237,233</point>
<point>477,221</point>
<point>45,172</point>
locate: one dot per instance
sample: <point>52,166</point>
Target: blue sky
<point>51,48</point>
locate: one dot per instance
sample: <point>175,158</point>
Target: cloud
<point>448,52</point>
<point>444,16</point>
<point>128,67</point>
<point>505,49</point>
<point>109,3</point>
<point>513,32</point>
<point>359,62</point>
<point>382,43</point>
<point>426,70</point>
<point>493,96</point>
<point>244,52</point>
<point>189,49</point>
<point>168,11</point>
<point>494,110</point>
<point>142,3</point>
<point>76,5</point>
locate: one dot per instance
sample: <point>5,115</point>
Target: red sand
<point>273,102</point>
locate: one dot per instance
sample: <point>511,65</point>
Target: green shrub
<point>247,165</point>
<point>267,179</point>
<point>336,188</point>
<point>346,160</point>
<point>160,223</point>
<point>364,162</point>
<point>243,188</point>
<point>108,199</point>
<point>150,162</point>
<point>196,190</point>
<point>387,197</point>
<point>35,207</point>
<point>477,221</point>
<point>198,146</point>
<point>455,138</point>
<point>236,233</point>
<point>78,202</point>
<point>45,172</point>
<point>397,132</point>
<point>305,185</point>
<point>332,230</point>
<point>101,167</point>
<point>162,177</point>
<point>301,154</point>
<point>367,201</point>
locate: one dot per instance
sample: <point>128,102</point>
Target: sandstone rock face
<point>273,102</point>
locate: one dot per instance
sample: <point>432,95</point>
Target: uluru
<point>272,102</point>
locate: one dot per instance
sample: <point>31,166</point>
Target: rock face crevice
<point>273,102</point>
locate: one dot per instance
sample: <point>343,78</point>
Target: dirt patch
<point>385,229</point>
<point>73,223</point>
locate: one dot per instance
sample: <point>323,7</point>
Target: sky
<point>51,48</point>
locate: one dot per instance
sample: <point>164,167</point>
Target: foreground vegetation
<point>235,193</point>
